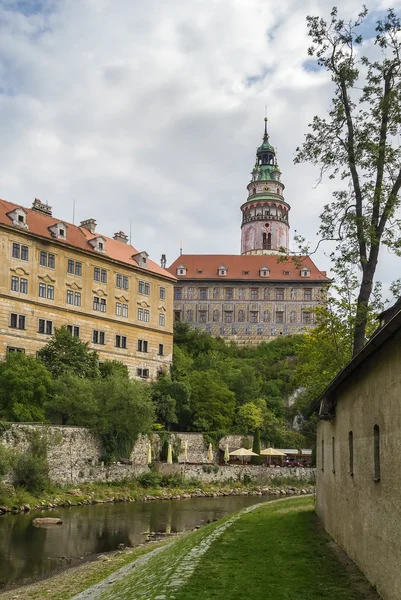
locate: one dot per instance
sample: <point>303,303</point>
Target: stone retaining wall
<point>224,473</point>
<point>74,456</point>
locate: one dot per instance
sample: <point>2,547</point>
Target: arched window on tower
<point>254,191</point>
<point>264,242</point>
<point>269,241</point>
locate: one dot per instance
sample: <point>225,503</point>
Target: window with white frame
<point>98,337</point>
<point>45,327</point>
<point>74,330</point>
<point>99,304</point>
<point>17,321</point>
<point>162,319</point>
<point>121,341</point>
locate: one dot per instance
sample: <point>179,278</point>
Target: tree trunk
<point>365,292</point>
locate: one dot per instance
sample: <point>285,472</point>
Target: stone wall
<point>74,455</point>
<point>223,473</point>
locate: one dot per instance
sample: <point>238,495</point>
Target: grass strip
<point>276,551</point>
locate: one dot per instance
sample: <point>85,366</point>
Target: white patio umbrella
<point>272,452</point>
<point>210,452</point>
<point>149,456</point>
<point>226,454</point>
<point>243,452</point>
<point>169,455</point>
<point>185,451</point>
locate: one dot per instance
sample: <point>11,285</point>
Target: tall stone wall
<point>75,455</point>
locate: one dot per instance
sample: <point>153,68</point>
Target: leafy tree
<point>246,385</point>
<point>109,368</point>
<point>124,410</point>
<point>358,143</point>
<point>181,393</point>
<point>72,401</point>
<point>250,417</point>
<point>24,387</point>
<point>212,403</point>
<point>68,354</point>
<point>182,363</point>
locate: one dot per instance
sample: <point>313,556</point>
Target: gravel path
<point>95,591</point>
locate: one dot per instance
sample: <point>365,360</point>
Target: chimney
<point>163,261</point>
<point>39,206</point>
<point>89,224</point>
<point>120,237</point>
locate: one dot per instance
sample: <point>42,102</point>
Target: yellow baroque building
<point>54,273</point>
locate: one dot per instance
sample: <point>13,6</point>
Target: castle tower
<point>265,228</point>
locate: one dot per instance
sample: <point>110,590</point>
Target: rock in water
<point>43,521</point>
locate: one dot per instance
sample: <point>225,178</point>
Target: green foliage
<point>72,401</point>
<point>256,460</point>
<point>109,368</point>
<point>250,417</point>
<point>66,354</point>
<point>124,410</point>
<point>24,386</point>
<point>31,470</point>
<point>5,461</point>
<point>212,403</point>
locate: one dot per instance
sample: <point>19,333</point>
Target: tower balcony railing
<point>261,217</point>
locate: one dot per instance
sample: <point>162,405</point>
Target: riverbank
<point>20,501</point>
<point>66,583</point>
<point>280,541</point>
<point>276,550</point>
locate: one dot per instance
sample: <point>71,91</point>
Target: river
<point>28,552</point>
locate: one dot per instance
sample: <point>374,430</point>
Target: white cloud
<point>151,112</point>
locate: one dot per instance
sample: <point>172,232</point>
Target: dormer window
<point>141,258</point>
<point>305,272</point>
<point>181,270</point>
<point>98,244</point>
<point>18,218</point>
<point>264,272</point>
<point>222,270</point>
<point>286,272</point>
<point>59,231</point>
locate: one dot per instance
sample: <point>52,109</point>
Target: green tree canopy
<point>66,354</point>
<point>72,401</point>
<point>25,384</point>
<point>358,143</point>
<point>124,410</point>
<point>212,403</point>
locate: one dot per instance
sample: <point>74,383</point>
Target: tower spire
<point>265,225</point>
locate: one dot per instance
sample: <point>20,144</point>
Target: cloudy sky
<point>150,111</point>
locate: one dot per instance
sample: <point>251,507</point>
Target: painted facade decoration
<point>262,293</point>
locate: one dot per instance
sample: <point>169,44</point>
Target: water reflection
<point>28,552</point>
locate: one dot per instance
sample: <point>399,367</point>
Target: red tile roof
<point>78,237</point>
<point>246,267</point>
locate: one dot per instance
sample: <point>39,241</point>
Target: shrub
<point>31,470</point>
<point>5,461</point>
<point>149,478</point>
